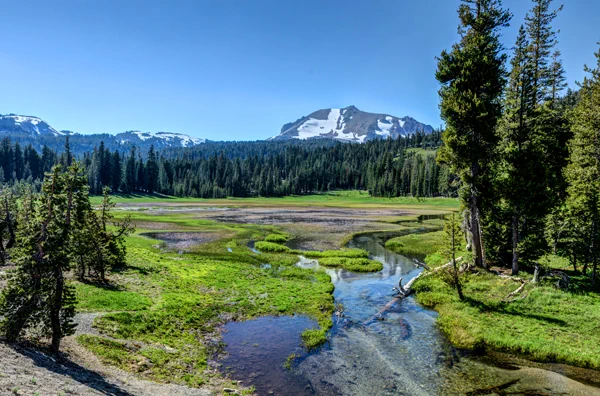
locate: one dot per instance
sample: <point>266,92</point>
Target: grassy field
<point>346,199</point>
<point>544,323</point>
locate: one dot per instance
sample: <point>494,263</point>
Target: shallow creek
<point>404,353</point>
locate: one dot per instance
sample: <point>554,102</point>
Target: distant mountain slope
<point>34,126</point>
<point>33,130</point>
<point>350,124</point>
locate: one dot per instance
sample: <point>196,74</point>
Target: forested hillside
<point>405,166</point>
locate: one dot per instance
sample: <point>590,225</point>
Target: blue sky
<point>238,69</point>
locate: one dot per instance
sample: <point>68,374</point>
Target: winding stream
<point>402,354</point>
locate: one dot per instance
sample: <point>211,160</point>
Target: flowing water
<point>400,353</point>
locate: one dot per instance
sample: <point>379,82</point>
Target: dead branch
<point>516,292</point>
<point>404,291</point>
<point>421,264</point>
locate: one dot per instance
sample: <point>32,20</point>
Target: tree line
<point>526,153</point>
<point>390,168</point>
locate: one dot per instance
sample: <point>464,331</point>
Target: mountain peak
<point>350,124</point>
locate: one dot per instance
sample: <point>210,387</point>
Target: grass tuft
<point>276,238</point>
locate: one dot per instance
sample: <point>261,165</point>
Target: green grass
<point>171,305</point>
<point>417,244</point>
<point>548,325</point>
<point>313,338</point>
<point>272,247</point>
<point>348,253</point>
<point>355,260</point>
<point>352,264</point>
<point>334,199</point>
<point>96,298</point>
<point>276,238</point>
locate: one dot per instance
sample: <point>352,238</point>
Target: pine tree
<point>37,294</point>
<point>130,172</point>
<point>67,155</point>
<point>472,75</point>
<point>452,238</point>
<point>583,171</point>
<point>533,138</point>
<point>152,171</point>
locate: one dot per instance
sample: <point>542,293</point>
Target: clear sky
<point>238,69</point>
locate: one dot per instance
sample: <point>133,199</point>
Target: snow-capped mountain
<point>350,124</point>
<point>35,131</point>
<point>169,139</point>
<point>27,124</point>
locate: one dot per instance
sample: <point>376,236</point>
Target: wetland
<point>218,308</point>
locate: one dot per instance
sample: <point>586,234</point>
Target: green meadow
<point>347,199</point>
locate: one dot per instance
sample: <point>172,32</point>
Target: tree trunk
<point>536,274</point>
<point>55,311</point>
<point>594,251</point>
<point>476,241</point>
<point>515,243</point>
<point>574,260</point>
<point>478,256</point>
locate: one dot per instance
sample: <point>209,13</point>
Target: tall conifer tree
<point>473,75</point>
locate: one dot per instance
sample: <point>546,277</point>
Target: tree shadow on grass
<point>130,267</point>
<point>64,366</point>
<point>106,285</point>
<point>502,308</point>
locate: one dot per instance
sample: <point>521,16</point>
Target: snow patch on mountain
<point>170,139</point>
<point>186,140</point>
<point>314,128</point>
<point>384,126</point>
<point>28,124</point>
<point>142,135</point>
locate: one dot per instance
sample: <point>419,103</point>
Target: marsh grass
<point>277,238</point>
<point>352,264</point>
<point>417,244</point>
<point>548,324</point>
<point>166,311</point>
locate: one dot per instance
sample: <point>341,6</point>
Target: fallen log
<point>404,291</point>
<point>563,281</point>
<point>514,293</point>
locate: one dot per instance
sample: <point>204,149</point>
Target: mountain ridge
<point>350,124</point>
<point>33,130</point>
